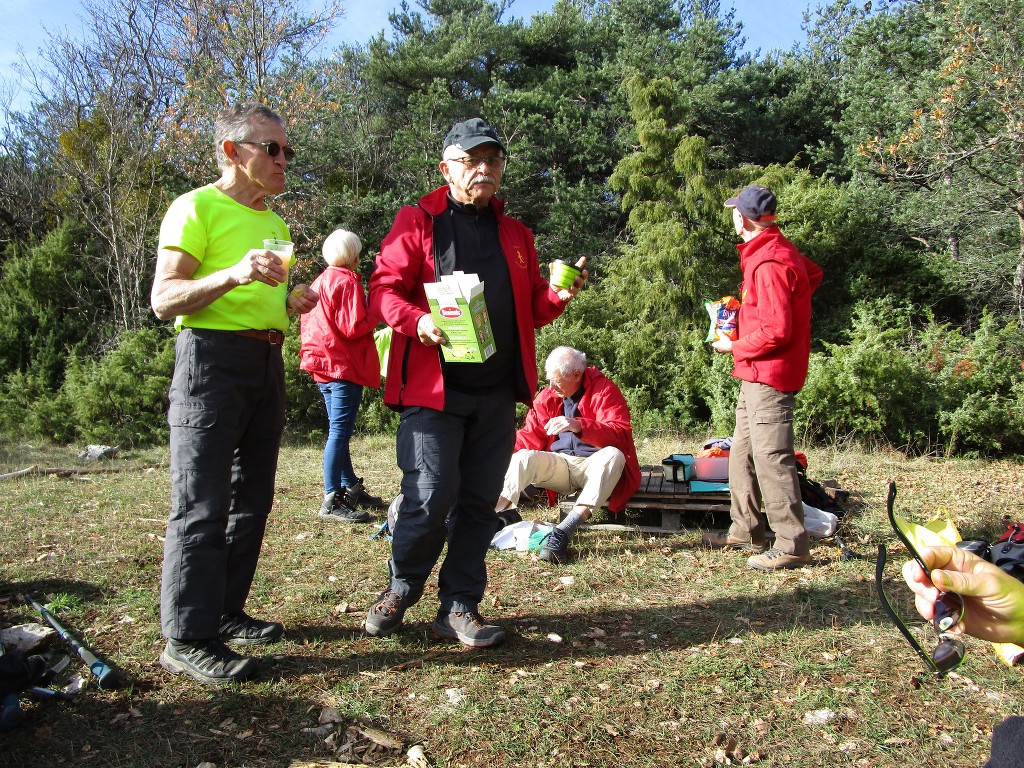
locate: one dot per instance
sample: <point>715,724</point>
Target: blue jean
<point>342,401</point>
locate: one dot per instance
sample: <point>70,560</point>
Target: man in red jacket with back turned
<point>577,437</point>
<point>770,357</point>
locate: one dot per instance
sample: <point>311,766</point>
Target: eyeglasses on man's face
<point>491,161</point>
<point>273,148</point>
<point>949,607</point>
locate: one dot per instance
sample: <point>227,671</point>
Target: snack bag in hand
<point>724,315</point>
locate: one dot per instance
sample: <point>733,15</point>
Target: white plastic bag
<point>819,523</point>
<point>517,536</point>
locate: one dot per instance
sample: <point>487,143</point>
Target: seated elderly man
<point>577,437</point>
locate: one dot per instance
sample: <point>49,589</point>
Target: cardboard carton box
<point>458,309</point>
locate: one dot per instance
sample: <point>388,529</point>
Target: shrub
<point>121,397</point>
<point>873,389</point>
<point>982,387</point>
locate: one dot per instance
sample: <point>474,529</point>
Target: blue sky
<point>767,26</point>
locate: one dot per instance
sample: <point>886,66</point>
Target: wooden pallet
<point>661,506</point>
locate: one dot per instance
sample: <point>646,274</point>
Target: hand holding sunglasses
<point>949,606</point>
<point>994,599</point>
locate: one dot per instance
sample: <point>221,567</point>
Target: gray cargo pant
<point>226,416</point>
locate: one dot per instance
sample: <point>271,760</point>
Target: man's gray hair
<point>235,124</point>
<point>566,361</point>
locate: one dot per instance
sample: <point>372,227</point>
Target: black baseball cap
<point>754,201</point>
<point>472,133</point>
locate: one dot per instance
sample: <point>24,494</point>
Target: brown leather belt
<point>270,335</point>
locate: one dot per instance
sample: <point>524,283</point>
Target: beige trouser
<point>594,476</point>
<point>762,468</point>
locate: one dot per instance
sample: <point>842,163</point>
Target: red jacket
<point>604,416</point>
<point>406,262</point>
<point>774,341</point>
<point>337,334</point>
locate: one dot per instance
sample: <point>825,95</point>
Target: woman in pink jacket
<point>339,353</point>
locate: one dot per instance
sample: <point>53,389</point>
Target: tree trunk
<point>1018,278</point>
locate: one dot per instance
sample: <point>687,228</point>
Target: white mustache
<point>482,180</point>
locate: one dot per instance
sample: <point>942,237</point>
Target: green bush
<point>873,389</point>
<point>981,384</point>
<point>30,408</point>
<point>121,397</point>
<point>925,390</point>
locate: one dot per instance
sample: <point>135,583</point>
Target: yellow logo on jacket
<point>520,258</point>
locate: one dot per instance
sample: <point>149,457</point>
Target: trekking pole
<point>105,675</point>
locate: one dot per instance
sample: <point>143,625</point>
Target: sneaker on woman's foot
<point>336,506</point>
<point>358,496</point>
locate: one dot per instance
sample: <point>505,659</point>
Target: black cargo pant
<point>453,464</point>
<point>226,416</point>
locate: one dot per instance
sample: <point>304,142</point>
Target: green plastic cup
<point>563,274</point>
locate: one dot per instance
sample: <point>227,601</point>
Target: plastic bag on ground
<point>524,535</point>
<point>819,523</point>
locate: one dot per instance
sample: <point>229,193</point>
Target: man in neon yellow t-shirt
<point>230,298</point>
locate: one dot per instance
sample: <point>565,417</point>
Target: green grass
<point>669,653</point>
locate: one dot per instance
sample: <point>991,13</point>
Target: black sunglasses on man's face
<point>273,148</point>
<point>949,608</point>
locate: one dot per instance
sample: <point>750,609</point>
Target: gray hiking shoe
<point>556,548</point>
<point>385,616</point>
<point>469,628</point>
<point>775,559</point>
<point>242,629</point>
<point>336,506</point>
<point>208,661</point>
<point>722,540</point>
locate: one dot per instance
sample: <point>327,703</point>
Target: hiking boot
<point>468,628</point>
<point>775,559</point>
<point>242,629</point>
<point>208,661</point>
<point>336,507</point>
<point>722,540</point>
<point>556,547</point>
<point>385,616</point>
<point>356,496</point>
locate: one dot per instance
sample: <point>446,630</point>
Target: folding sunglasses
<point>949,607</point>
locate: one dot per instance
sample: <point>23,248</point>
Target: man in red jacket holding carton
<point>770,358</point>
<point>457,428</point>
<point>577,437</point>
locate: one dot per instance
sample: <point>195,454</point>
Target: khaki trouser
<point>762,469</point>
<point>594,476</point>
